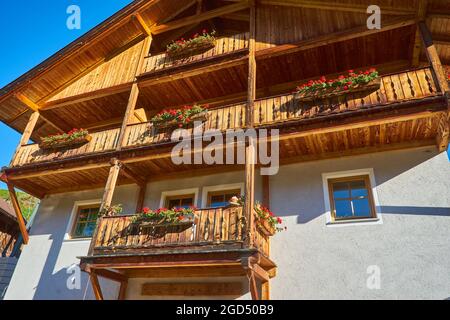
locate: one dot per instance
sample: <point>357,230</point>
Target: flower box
<point>202,117</point>
<point>333,92</point>
<point>265,227</point>
<point>72,139</point>
<point>199,43</point>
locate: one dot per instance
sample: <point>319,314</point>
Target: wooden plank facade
<point>263,50</point>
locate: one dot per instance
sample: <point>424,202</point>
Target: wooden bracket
<point>96,285</point>
<point>443,133</point>
<point>18,211</point>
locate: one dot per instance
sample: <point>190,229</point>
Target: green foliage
<point>74,134</point>
<point>27,203</point>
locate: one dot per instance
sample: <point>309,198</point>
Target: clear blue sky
<point>33,30</point>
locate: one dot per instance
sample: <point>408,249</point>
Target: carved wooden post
<point>110,184</point>
<point>134,94</point>
<point>251,143</point>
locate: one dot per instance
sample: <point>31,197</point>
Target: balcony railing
<point>400,87</point>
<point>217,228</point>
<point>223,46</point>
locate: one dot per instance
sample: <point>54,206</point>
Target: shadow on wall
<point>308,198</point>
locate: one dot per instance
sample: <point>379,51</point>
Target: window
<point>184,201</point>
<point>85,222</point>
<point>351,198</point>
<point>221,198</point>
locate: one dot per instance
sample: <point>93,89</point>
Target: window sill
<point>69,239</point>
<point>363,221</point>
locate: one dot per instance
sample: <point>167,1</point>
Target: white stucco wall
<point>410,247</point>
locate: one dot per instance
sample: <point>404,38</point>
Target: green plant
<point>109,211</point>
<point>197,40</point>
<point>343,82</point>
<point>180,117</point>
<point>164,215</point>
<point>72,135</point>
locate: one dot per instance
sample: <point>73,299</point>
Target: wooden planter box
<point>173,124</point>
<point>265,227</point>
<point>176,227</point>
<point>66,144</point>
<point>191,50</point>
<point>371,86</point>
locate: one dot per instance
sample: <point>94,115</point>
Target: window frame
<point>74,216</point>
<point>211,194</point>
<point>76,220</point>
<point>370,197</point>
<point>176,193</point>
<point>179,197</point>
<point>220,188</point>
<point>329,221</point>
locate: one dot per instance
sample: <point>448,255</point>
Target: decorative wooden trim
<point>443,133</point>
<point>18,211</point>
<point>193,289</point>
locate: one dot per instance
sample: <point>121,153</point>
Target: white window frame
<point>221,187</point>
<point>347,174</point>
<point>179,192</point>
<point>73,217</point>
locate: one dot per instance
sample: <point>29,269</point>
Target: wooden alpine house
<point>269,64</point>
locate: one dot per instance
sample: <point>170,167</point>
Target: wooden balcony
<point>410,87</point>
<point>215,229</point>
<point>216,245</point>
<point>224,46</point>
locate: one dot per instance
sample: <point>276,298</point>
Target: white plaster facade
<point>409,243</point>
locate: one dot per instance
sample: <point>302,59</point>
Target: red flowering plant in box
<point>342,83</point>
<point>267,221</point>
<point>165,216</point>
<point>179,117</point>
<point>198,43</point>
<point>74,136</point>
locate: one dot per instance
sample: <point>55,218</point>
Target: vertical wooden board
<point>232,230</point>
<point>109,227</point>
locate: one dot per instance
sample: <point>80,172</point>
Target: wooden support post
<point>96,285</point>
<point>141,197</point>
<point>123,290</point>
<point>252,285</point>
<point>251,143</point>
<point>433,58</point>
<point>27,132</point>
<point>18,211</point>
<point>265,291</point>
<point>134,94</point>
<point>417,44</point>
<point>443,133</point>
<point>266,191</point>
<point>110,184</point>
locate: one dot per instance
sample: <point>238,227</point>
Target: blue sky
<point>33,30</point>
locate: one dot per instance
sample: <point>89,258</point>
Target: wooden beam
<point>433,57</point>
<point>193,289</point>
<point>18,211</point>
<point>260,273</point>
<point>443,133</point>
<point>132,100</point>
<point>123,290</point>
<point>141,198</point>
<point>334,37</point>
<point>199,18</point>
<point>20,114</point>
<point>110,184</point>
<point>250,146</point>
<point>140,23</point>
<point>27,132</point>
<point>441,39</point>
<point>252,285</point>
<point>266,191</point>
<point>237,16</point>
<point>35,108</point>
<point>265,291</point>
<point>111,275</point>
<point>417,45</point>
<point>96,285</point>
<point>132,176</point>
<point>335,6</point>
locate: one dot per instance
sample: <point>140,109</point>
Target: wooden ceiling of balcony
<point>293,21</point>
